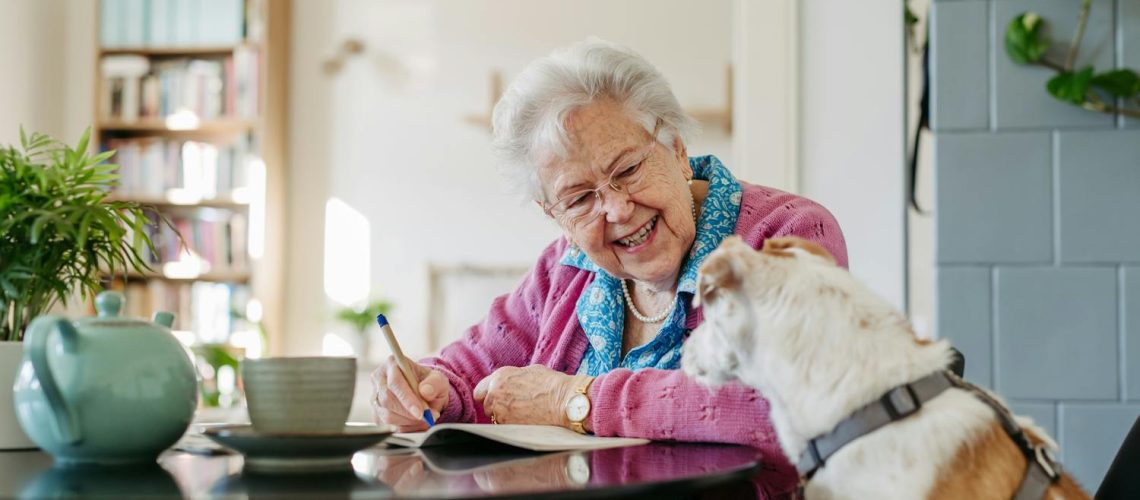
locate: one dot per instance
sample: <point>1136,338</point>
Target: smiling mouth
<point>641,235</point>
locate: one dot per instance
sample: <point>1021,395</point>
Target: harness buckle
<point>814,450</point>
<point>901,402</point>
<point>1048,464</point>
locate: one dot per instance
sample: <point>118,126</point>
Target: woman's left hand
<point>531,395</point>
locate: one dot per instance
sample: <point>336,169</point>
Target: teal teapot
<point>105,390</point>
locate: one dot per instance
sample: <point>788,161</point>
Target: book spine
<point>185,22</point>
<point>111,23</point>
<point>160,22</point>
<point>134,20</point>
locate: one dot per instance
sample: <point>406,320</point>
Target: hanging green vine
<point>1025,43</point>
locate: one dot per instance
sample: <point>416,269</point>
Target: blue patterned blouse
<point>601,308</point>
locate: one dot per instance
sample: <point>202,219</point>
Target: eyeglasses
<point>584,206</point>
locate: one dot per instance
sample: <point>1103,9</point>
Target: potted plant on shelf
<point>59,236</point>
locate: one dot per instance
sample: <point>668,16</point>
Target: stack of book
<point>151,167</point>
<point>212,242</point>
<point>211,310</point>
<point>181,23</point>
<point>137,87</point>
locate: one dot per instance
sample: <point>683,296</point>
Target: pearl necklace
<point>637,314</point>
<point>629,299</point>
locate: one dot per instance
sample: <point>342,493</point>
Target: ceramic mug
<point>303,395</point>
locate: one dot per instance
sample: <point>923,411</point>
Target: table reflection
<point>327,484</point>
<point>656,469</point>
<point>94,481</point>
<point>505,471</point>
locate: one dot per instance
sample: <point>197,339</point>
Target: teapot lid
<point>109,304</point>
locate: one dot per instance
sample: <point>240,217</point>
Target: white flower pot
<point>12,436</point>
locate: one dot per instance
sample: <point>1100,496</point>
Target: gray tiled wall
<point>1037,222</point>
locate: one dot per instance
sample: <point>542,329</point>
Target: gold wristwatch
<point>578,406</point>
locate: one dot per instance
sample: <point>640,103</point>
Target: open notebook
<point>530,437</point>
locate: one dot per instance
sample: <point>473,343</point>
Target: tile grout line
<point>1055,170</point>
<point>994,329</point>
<point>1122,339</point>
<point>991,17</point>
<point>1058,416</point>
<point>1118,45</point>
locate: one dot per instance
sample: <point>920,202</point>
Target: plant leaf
<point>84,227</point>
<point>38,227</point>
<point>81,148</point>
<point>1071,87</point>
<point>10,291</point>
<point>1118,83</point>
<point>1024,41</point>
<point>104,156</point>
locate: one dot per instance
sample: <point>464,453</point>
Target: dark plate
<point>298,451</point>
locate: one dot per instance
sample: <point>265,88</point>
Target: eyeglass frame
<point>609,182</point>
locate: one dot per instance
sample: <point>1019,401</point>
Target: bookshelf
<point>191,94</point>
<point>187,51</point>
<point>161,128</point>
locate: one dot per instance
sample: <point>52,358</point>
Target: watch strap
<point>584,390</point>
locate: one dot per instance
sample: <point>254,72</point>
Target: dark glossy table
<point>657,470</point>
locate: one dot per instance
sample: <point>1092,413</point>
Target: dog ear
<point>718,271</point>
<point>788,246</point>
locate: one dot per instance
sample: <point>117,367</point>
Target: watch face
<point>577,408</point>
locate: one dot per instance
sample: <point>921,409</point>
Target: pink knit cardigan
<point>537,324</point>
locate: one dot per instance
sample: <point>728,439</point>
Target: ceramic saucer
<point>290,452</point>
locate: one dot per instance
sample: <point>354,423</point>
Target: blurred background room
<point>326,160</point>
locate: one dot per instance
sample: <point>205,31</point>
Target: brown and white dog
<point>819,345</point>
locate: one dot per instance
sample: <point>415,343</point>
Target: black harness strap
<point>1043,469</point>
<point>898,403</point>
<point>904,401</point>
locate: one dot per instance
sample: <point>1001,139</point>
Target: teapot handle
<point>35,344</point>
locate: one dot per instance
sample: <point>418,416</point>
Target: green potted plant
<point>361,319</point>
<point>59,236</point>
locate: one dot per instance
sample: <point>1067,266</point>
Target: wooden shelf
<point>201,51</point>
<point>163,202</point>
<point>216,277</point>
<point>157,126</point>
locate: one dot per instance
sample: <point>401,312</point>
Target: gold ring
<point>493,420</point>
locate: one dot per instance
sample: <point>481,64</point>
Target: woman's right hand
<point>394,402</point>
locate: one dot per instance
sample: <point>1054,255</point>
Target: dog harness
<point>904,401</point>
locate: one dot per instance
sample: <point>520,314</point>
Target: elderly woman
<point>591,338</point>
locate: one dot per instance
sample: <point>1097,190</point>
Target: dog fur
<point>819,345</point>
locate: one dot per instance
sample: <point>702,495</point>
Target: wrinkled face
<point>752,300</point>
<point>643,235</point>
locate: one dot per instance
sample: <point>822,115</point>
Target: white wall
<point>31,46</point>
<point>386,135</point>
<point>48,57</point>
<point>767,92</point>
<point>77,88</point>
<point>851,131</point>
<point>309,159</point>
<point>920,227</point>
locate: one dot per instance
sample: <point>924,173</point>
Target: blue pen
<point>404,364</point>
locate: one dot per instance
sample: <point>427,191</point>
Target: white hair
<point>530,119</point>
